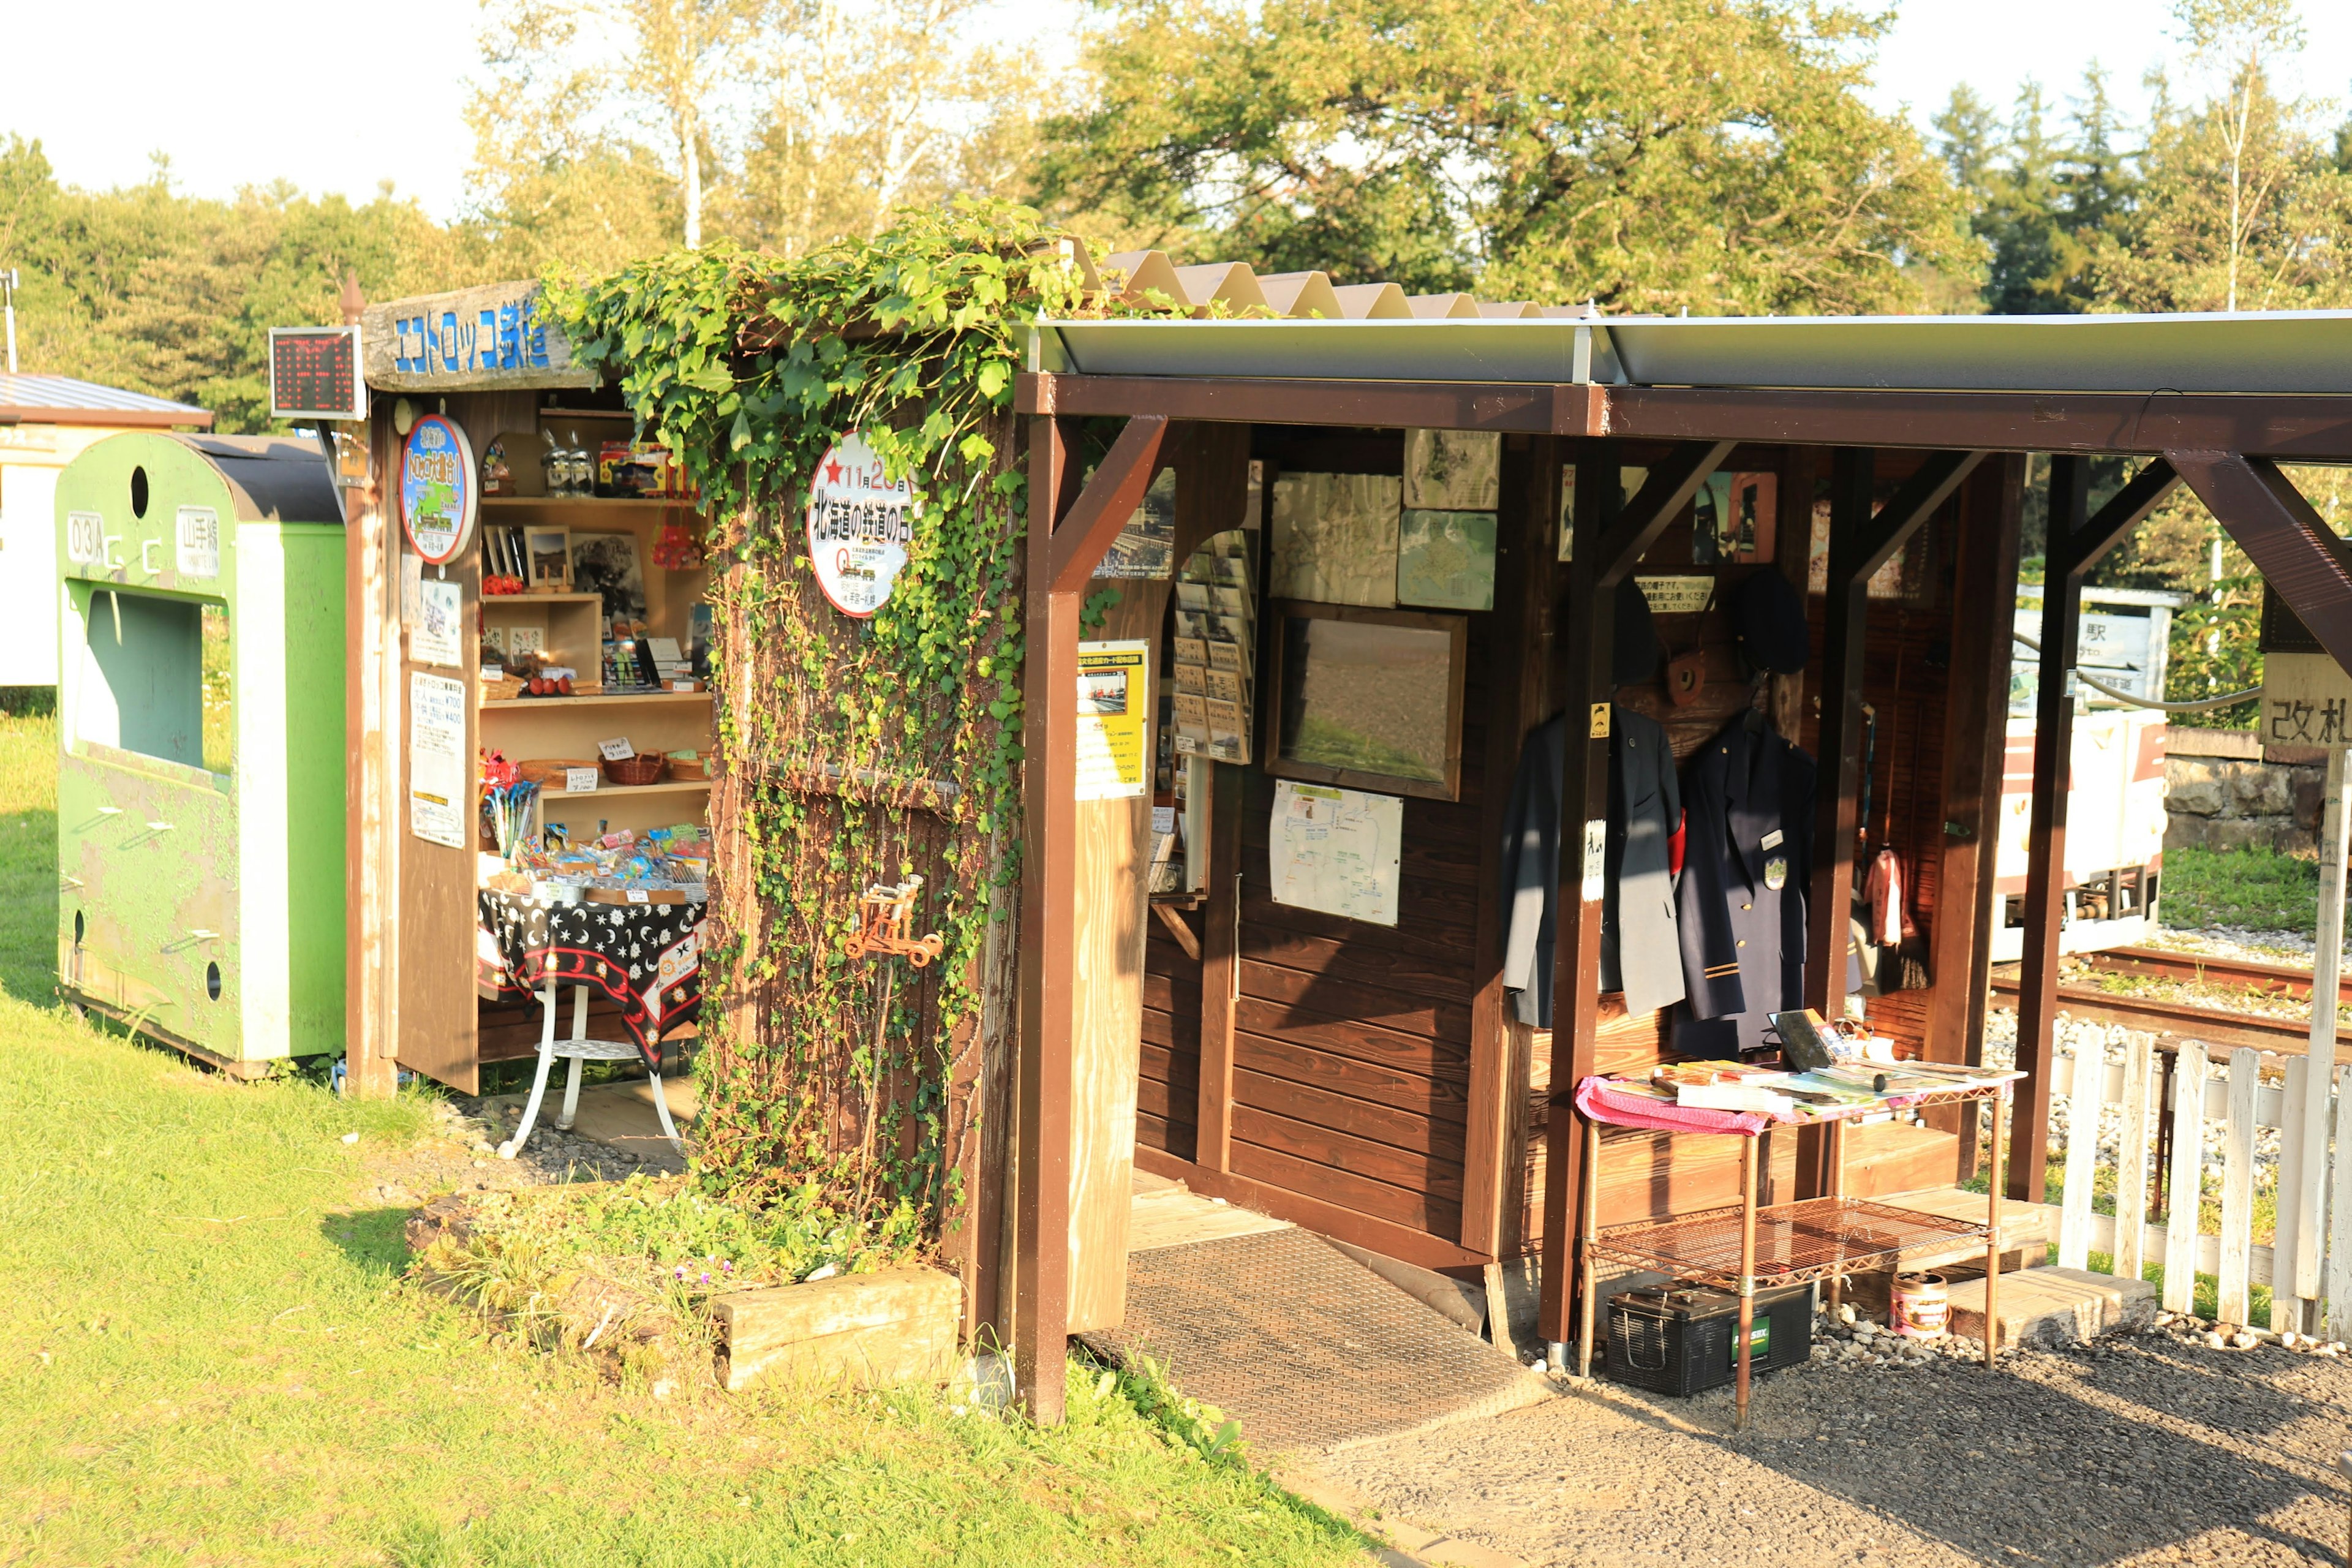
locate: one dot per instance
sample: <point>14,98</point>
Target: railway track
<point>2218,1028</point>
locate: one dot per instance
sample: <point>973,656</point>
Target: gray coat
<point>1640,950</point>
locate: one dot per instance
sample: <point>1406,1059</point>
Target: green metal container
<point>201,767</point>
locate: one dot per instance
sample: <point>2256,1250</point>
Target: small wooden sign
<point>498,335</point>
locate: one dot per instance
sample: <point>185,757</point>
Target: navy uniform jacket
<point>1637,925</point>
<point>1748,855</point>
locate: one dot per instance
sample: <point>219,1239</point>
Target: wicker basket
<point>503,689</point>
<point>635,771</point>
<point>695,766</point>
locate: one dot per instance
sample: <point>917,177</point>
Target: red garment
<point>1674,841</point>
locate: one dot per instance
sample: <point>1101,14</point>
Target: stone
<point>2245,1338</point>
<point>2191,786</point>
<point>2049,1307</point>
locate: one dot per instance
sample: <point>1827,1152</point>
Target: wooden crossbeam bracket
<point>2287,540</point>
<point>1661,498</point>
<point>2123,511</point>
<point>1110,498</point>
<point>1913,502</point>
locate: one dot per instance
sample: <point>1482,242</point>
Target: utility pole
<point>8,291</point>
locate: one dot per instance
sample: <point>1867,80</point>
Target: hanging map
<point>1336,850</point>
<point>1335,538</point>
<point>1445,560</point>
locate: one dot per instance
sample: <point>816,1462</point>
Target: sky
<point>342,98</point>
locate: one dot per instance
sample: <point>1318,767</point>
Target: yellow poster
<point>1114,719</point>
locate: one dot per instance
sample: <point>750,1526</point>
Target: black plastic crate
<point>1683,1339</point>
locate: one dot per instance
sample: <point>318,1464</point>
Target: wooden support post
<point>1610,537</point>
<point>1975,740</point>
<point>1063,551</point>
<point>374,817</point>
<point>2339,1241</point>
<point>1221,971</point>
<point>2045,865</point>
<point>1582,665</point>
<point>1524,558</point>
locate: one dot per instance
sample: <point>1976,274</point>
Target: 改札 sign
<point>860,526</point>
<point>438,491</point>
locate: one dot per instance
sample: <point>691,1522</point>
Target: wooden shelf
<point>490,599</point>
<point>600,701</point>
<point>587,414</point>
<point>625,506</point>
<point>666,786</point>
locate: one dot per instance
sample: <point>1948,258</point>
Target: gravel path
<point>459,1153</point>
<point>2150,1448</point>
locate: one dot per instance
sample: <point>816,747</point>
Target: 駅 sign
<point>860,525</point>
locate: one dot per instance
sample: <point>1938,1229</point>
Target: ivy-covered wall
<point>853,751</point>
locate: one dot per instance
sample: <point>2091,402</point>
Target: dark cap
<point>1633,657</point>
<point>1769,613</point>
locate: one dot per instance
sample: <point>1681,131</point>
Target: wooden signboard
<point>473,340</point>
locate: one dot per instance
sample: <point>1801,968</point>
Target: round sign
<point>439,492</point>
<point>859,527</point>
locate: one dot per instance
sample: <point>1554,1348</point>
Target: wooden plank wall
<point>1353,1043</point>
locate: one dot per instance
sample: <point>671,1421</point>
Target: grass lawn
<point>209,1357</point>
<point>2256,887</point>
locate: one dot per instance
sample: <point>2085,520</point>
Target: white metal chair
<point>577,1049</point>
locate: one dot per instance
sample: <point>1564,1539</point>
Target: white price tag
<point>581,781</point>
<point>618,751</point>
<point>637,896</point>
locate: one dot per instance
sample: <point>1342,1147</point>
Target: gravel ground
<point>2246,943</point>
<point>2150,1447</point>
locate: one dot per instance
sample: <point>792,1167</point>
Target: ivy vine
<point>852,751</point>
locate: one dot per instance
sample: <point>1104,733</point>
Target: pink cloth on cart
<point>1594,1098</point>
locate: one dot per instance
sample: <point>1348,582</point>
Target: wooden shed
<point>1367,1078</point>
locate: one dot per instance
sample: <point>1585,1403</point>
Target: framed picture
<point>606,564</point>
<point>1367,699</point>
<point>548,553</point>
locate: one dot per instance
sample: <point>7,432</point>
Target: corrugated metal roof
<point>2277,352</point>
<point>62,400</point>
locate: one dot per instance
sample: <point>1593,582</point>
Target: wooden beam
<point>1525,555</point>
<point>2288,541</point>
<point>1110,498</point>
<point>1976,738</point>
<point>2045,851</point>
<point>1582,665</point>
<point>1828,905</point>
<point>1048,978</point>
<point>1221,971</point>
<point>1930,486</point>
<point>2291,428</point>
<point>1663,495</point>
<point>2123,512</point>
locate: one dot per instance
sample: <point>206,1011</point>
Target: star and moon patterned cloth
<point>639,955</point>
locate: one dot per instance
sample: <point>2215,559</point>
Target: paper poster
<point>1146,546</point>
<point>1452,470</point>
<point>1677,596</point>
<point>439,635</point>
<point>1336,850</point>
<point>198,541</point>
<point>1114,726</point>
<point>440,795</point>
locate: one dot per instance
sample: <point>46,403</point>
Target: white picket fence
<point>2308,1264</point>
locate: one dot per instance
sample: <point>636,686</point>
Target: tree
<point>872,106</point>
<point>2040,200</point>
<point>147,289</point>
<point>575,86</point>
<point>1713,154</point>
<point>2237,36</point>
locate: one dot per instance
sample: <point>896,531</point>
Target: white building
<point>45,423</point>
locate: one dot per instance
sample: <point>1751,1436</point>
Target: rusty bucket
<point>1921,1310</point>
